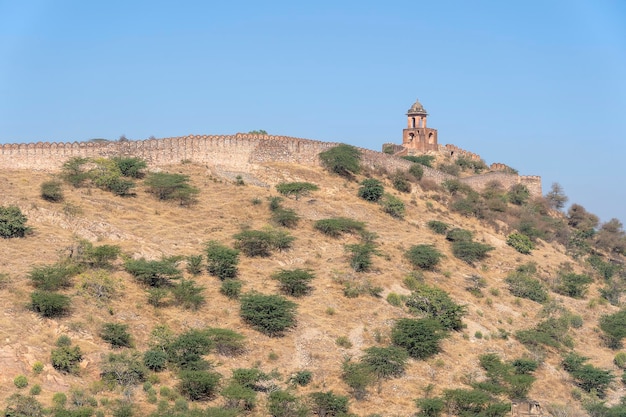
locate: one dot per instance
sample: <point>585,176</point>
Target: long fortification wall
<point>230,152</point>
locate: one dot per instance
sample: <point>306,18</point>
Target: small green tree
<point>459,235</point>
<point>20,405</point>
<point>199,385</point>
<point>361,256</point>
<point>12,222</point>
<point>284,404</point>
<point>296,189</point>
<point>587,376</point>
<point>520,243</point>
<point>435,303</point>
<point>470,252</point>
<point>52,191</point>
<point>423,256</point>
<point>426,160</point>
<point>269,314</point>
<point>438,227</point>
<point>188,295</point>
<point>231,288</point>
<point>417,171</point>
<point>221,260</point>
<point>53,277</point>
<point>66,359</point>
<point>116,334</point>
<point>187,350</point>
<point>130,166</point>
<point>401,181</point>
<point>371,189</point>
<point>393,206</point>
<point>227,342</point>
<point>357,376</point>
<point>420,338</point>
<point>260,243</point>
<point>385,362</point>
<point>556,196</point>
<point>74,172</point>
<point>327,404</point>
<point>337,226</point>
<point>125,369</point>
<point>518,194</point>
<point>430,407</point>
<point>153,273</point>
<point>614,328</point>
<point>285,217</point>
<point>49,304</point>
<point>294,282</point>
<point>522,284</point>
<point>155,360</point>
<point>572,285</point>
<point>166,186</point>
<point>342,159</point>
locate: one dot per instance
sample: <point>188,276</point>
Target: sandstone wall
<point>507,179</point>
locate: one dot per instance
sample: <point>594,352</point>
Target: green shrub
<point>438,227</point>
<point>249,377</point>
<point>430,407</point>
<point>221,260</point>
<point>524,366</point>
<point>63,340</point>
<point>401,182</point>
<point>393,206</point>
<point>416,171</point>
<point>199,385</point>
<point>328,404</point>
<point>435,303</point>
<point>12,222</point>
<point>344,342</point>
<point>425,160</point>
<point>459,235</point>
<point>194,264</point>
<point>470,252</point>
<point>53,277</point>
<point>269,314</point>
<point>239,397</point>
<point>66,359</point>
<point>464,402</point>
<point>155,360</point>
<point>125,369</point>
<point>20,381</point>
<point>261,242</point>
<point>520,243</point>
<point>357,376</point>
<point>167,186</point>
<point>551,332</point>
<point>35,389</point>
<point>231,288</point>
<point>73,171</point>
<point>285,217</point>
<point>423,256</point>
<point>587,376</point>
<point>420,338</point>
<point>116,334</point>
<point>52,191</point>
<point>573,285</point>
<point>49,304</point>
<point>524,285</point>
<point>620,360</point>
<point>614,328</point>
<point>394,299</point>
<point>294,282</point>
<point>361,256</point>
<point>518,194</point>
<point>302,378</point>
<point>296,189</point>
<point>188,295</point>
<point>153,273</point>
<point>342,159</point>
<point>19,405</point>
<point>226,342</point>
<point>274,202</point>
<point>337,226</point>
<point>284,404</point>
<point>130,166</point>
<point>371,189</point>
<point>186,350</point>
<point>38,367</point>
<point>99,256</point>
<point>385,362</point>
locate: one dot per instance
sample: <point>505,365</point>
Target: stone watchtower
<point>417,137</point>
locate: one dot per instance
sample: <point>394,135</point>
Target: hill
<point>345,312</point>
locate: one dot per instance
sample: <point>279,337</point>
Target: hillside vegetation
<point>329,292</point>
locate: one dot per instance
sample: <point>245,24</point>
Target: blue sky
<point>538,85</point>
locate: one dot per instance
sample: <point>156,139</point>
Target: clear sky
<point>539,84</point>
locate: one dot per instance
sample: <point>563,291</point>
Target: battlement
<point>455,152</point>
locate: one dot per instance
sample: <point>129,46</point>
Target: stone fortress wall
<point>240,152</point>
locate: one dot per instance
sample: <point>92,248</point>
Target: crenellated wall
<point>230,152</point>
<point>507,179</point>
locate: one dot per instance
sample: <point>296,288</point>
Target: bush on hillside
<point>423,256</point>
<point>284,404</point>
<point>74,172</point>
<point>226,342</point>
<point>430,407</point>
<point>385,362</point>
<point>328,404</point>
<point>393,206</point>
<point>269,314</point>
<point>285,217</point>
<point>188,295</point>
<point>438,227</point>
<point>66,359</point>
<point>166,186</point>
<point>401,182</point>
<point>518,194</point>
<point>587,376</point>
<point>614,328</point>
<point>357,376</point>
<point>361,256</point>
<point>198,385</point>
<point>153,273</point>
<point>221,260</point>
<point>49,304</point>
<point>520,243</point>
<point>416,171</point>
<point>294,282</point>
<point>337,226</point>
<point>261,243</point>
<point>131,167</point>
<point>425,160</point>
<point>296,189</point>
<point>572,285</point>
<point>186,351</point>
<point>342,159</point>
<point>125,369</point>
<point>116,334</point>
<point>459,235</point>
<point>155,360</point>
<point>552,332</point>
<point>12,222</point>
<point>53,277</point>
<point>52,191</point>
<point>231,288</point>
<point>470,252</point>
<point>435,303</point>
<point>522,284</point>
<point>420,338</point>
<point>371,189</point>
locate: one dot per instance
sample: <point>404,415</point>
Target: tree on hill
<point>342,159</point>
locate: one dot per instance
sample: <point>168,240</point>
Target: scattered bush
<point>226,342</point>
<point>475,402</point>
<point>342,159</point>
<point>420,338</point>
<point>116,334</point>
<point>199,385</point>
<point>357,376</point>
<point>53,277</point>
<point>294,282</point>
<point>335,227</point>
<point>587,376</point>
<point>430,407</point>
<point>35,389</point>
<point>283,404</point>
<point>186,350</point>
<point>188,295</point>
<point>416,171</point>
<point>551,332</point>
<point>155,360</point>
<point>327,404</point>
<point>614,328</point>
<point>74,172</point>
<point>221,260</point>
<point>302,378</point>
<point>66,359</point>
<point>401,182</point>
<point>296,189</point>
<point>435,303</point>
<point>438,227</point>
<point>239,397</point>
<point>231,288</point>
<point>153,273</point>
<point>52,191</point>
<point>98,256</point>
<point>20,381</point>
<point>522,284</point>
<point>130,166</point>
<point>361,256</point>
<point>470,252</point>
<point>520,243</point>
<point>19,405</point>
<point>394,299</point>
<point>459,235</point>
<point>12,222</point>
<point>425,160</point>
<point>393,206</point>
<point>385,362</point>
<point>371,189</point>
<point>518,194</point>
<point>261,242</point>
<point>423,256</point>
<point>49,304</point>
<point>620,360</point>
<point>167,186</point>
<point>572,285</point>
<point>125,369</point>
<point>269,314</point>
<point>194,264</point>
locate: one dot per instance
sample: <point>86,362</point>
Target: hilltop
<point>345,312</point>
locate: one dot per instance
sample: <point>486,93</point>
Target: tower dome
<point>417,108</point>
